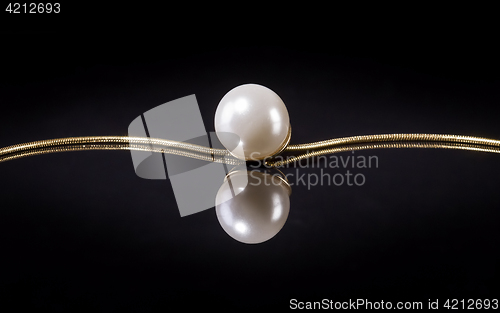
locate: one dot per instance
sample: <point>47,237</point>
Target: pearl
<point>252,207</point>
<point>259,119</point>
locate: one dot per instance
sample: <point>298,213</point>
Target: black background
<point>80,231</point>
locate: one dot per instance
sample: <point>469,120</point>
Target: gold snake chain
<point>111,140</point>
<point>394,137</point>
<point>382,145</point>
<point>199,155</point>
<point>335,145</point>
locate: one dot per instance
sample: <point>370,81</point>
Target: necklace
<point>259,119</point>
<point>252,124</point>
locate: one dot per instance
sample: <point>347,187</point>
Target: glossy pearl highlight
<point>252,207</point>
<point>259,119</point>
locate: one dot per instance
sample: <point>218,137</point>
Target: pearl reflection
<point>241,105</point>
<point>258,211</point>
<point>277,212</point>
<point>241,227</point>
<point>276,121</point>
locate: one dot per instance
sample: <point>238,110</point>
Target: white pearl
<point>252,207</point>
<point>259,119</point>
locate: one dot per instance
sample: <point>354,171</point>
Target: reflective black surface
<point>80,231</point>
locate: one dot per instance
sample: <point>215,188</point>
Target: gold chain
<point>335,145</point>
<point>393,137</point>
<point>209,157</point>
<point>111,140</point>
<point>384,145</point>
